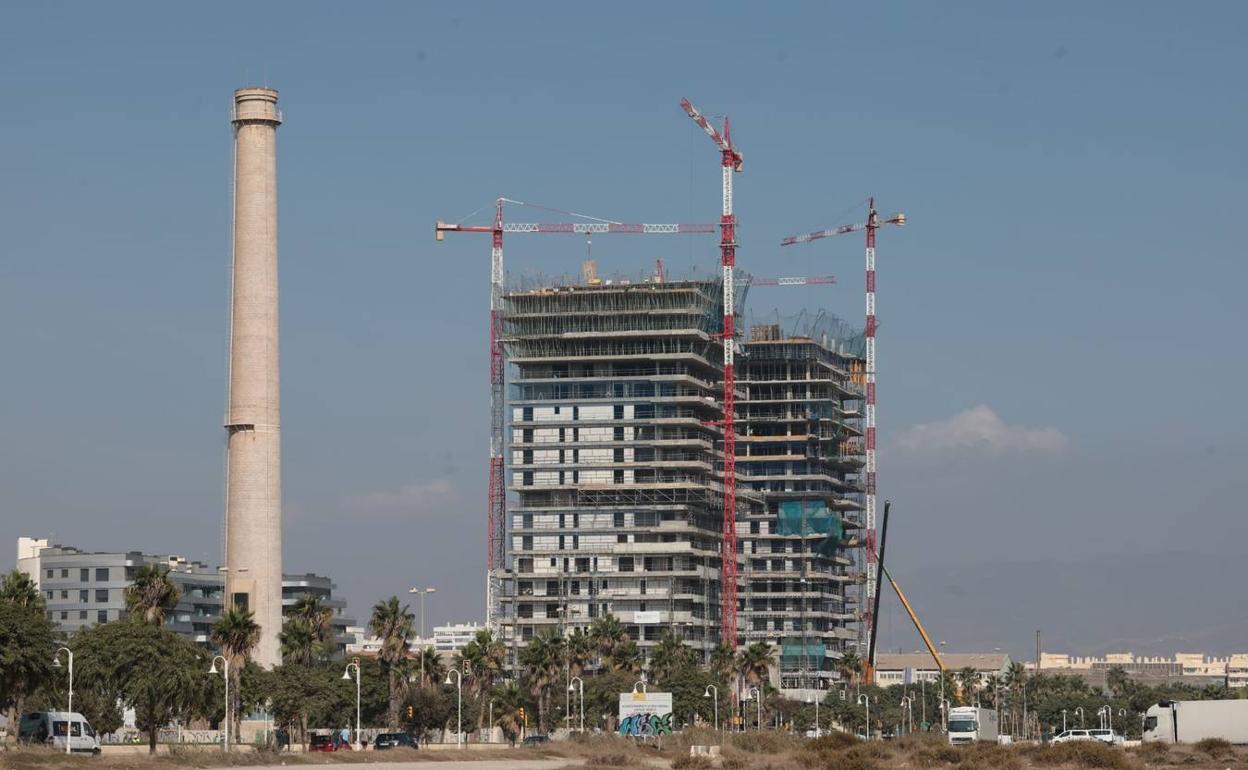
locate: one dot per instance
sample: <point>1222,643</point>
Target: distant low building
<point>1188,667</point>
<point>83,588</point>
<point>446,640</point>
<point>913,667</point>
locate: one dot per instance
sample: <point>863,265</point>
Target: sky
<point>1062,361</point>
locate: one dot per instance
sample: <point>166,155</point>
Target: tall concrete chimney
<point>253,500</point>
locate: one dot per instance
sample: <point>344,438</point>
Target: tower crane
<point>794,280</point>
<point>872,224</point>
<point>496,489</point>
<point>731,161</point>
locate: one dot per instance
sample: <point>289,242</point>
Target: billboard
<point>645,714</point>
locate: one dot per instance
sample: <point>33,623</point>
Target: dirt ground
<point>747,751</point>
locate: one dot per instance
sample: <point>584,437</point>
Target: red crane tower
<point>496,495</point>
<point>872,224</point>
<point>731,162</point>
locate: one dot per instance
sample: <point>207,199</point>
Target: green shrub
<point>1082,754</point>
<point>1214,747</point>
<point>935,754</point>
<point>1153,753</point>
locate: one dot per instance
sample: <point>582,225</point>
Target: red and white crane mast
<point>496,526</point>
<point>731,162</point>
<point>872,224</point>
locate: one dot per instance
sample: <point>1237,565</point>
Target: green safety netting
<point>795,650</point>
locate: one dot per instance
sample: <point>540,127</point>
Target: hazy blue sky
<point>1062,364</point>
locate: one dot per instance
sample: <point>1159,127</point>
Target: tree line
<point>138,663</point>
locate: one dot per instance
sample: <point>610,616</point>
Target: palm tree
<point>508,701</point>
<point>628,657</point>
<point>17,588</point>
<point>1015,681</point>
<point>992,686</point>
<point>849,666</point>
<point>968,682</point>
<point>299,642</point>
<point>542,659</point>
<point>580,650</point>
<point>236,633</point>
<point>1117,681</point>
<point>319,618</point>
<point>723,658</point>
<point>431,669</point>
<point>394,624</point>
<point>607,634</point>
<point>754,663</point>
<point>485,656</point>
<point>152,594</point>
<point>670,656</point>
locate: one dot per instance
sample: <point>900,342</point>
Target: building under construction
<point>616,458</point>
<point>800,446</point>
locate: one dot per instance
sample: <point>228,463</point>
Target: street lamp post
<point>758,695</point>
<point>423,593</point>
<point>707,694</point>
<point>863,698</point>
<point>346,674</point>
<point>459,699</point>
<point>818,731</point>
<point>581,684</point>
<point>56,661</point>
<point>944,714</point>
<point>907,703</point>
<point>1063,720</point>
<point>225,665</point>
<point>1079,711</point>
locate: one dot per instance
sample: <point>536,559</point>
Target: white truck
<point>1188,721</point>
<point>968,724</point>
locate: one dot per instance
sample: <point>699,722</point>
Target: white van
<point>53,728</point>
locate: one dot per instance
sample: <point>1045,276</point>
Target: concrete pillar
<point>253,507</point>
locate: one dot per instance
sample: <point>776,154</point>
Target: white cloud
<point>421,499</point>
<point>980,428</point>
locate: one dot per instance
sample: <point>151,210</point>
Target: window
<point>618,434</point>
<point>618,477</point>
<point>526,521</point>
<point>527,478</point>
<point>576,415</point>
<point>101,595</point>
<point>618,412</point>
<point>552,587</point>
<point>64,573</point>
<point>84,575</point>
<point>64,594</point>
<point>101,616</point>
<point>527,414</point>
<point>621,538</point>
<point>626,564</point>
<point>51,573</point>
<point>64,615</point>
<point>618,456</point>
<point>82,614</point>
<point>101,574</point>
<point>51,594</point>
<point>618,519</point>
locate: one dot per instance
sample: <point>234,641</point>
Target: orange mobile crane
<point>869,664</point>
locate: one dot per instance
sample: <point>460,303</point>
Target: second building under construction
<point>616,472</point>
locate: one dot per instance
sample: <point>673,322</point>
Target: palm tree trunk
<point>393,716</point>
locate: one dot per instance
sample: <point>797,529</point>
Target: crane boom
<point>796,280</point>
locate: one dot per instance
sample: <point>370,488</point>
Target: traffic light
<point>524,717</point>
<point>411,712</point>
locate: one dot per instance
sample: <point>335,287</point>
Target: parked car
<point>1108,736</point>
<point>328,743</point>
<point>1067,736</point>
<point>394,741</point>
<point>536,740</point>
<point>53,728</point>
